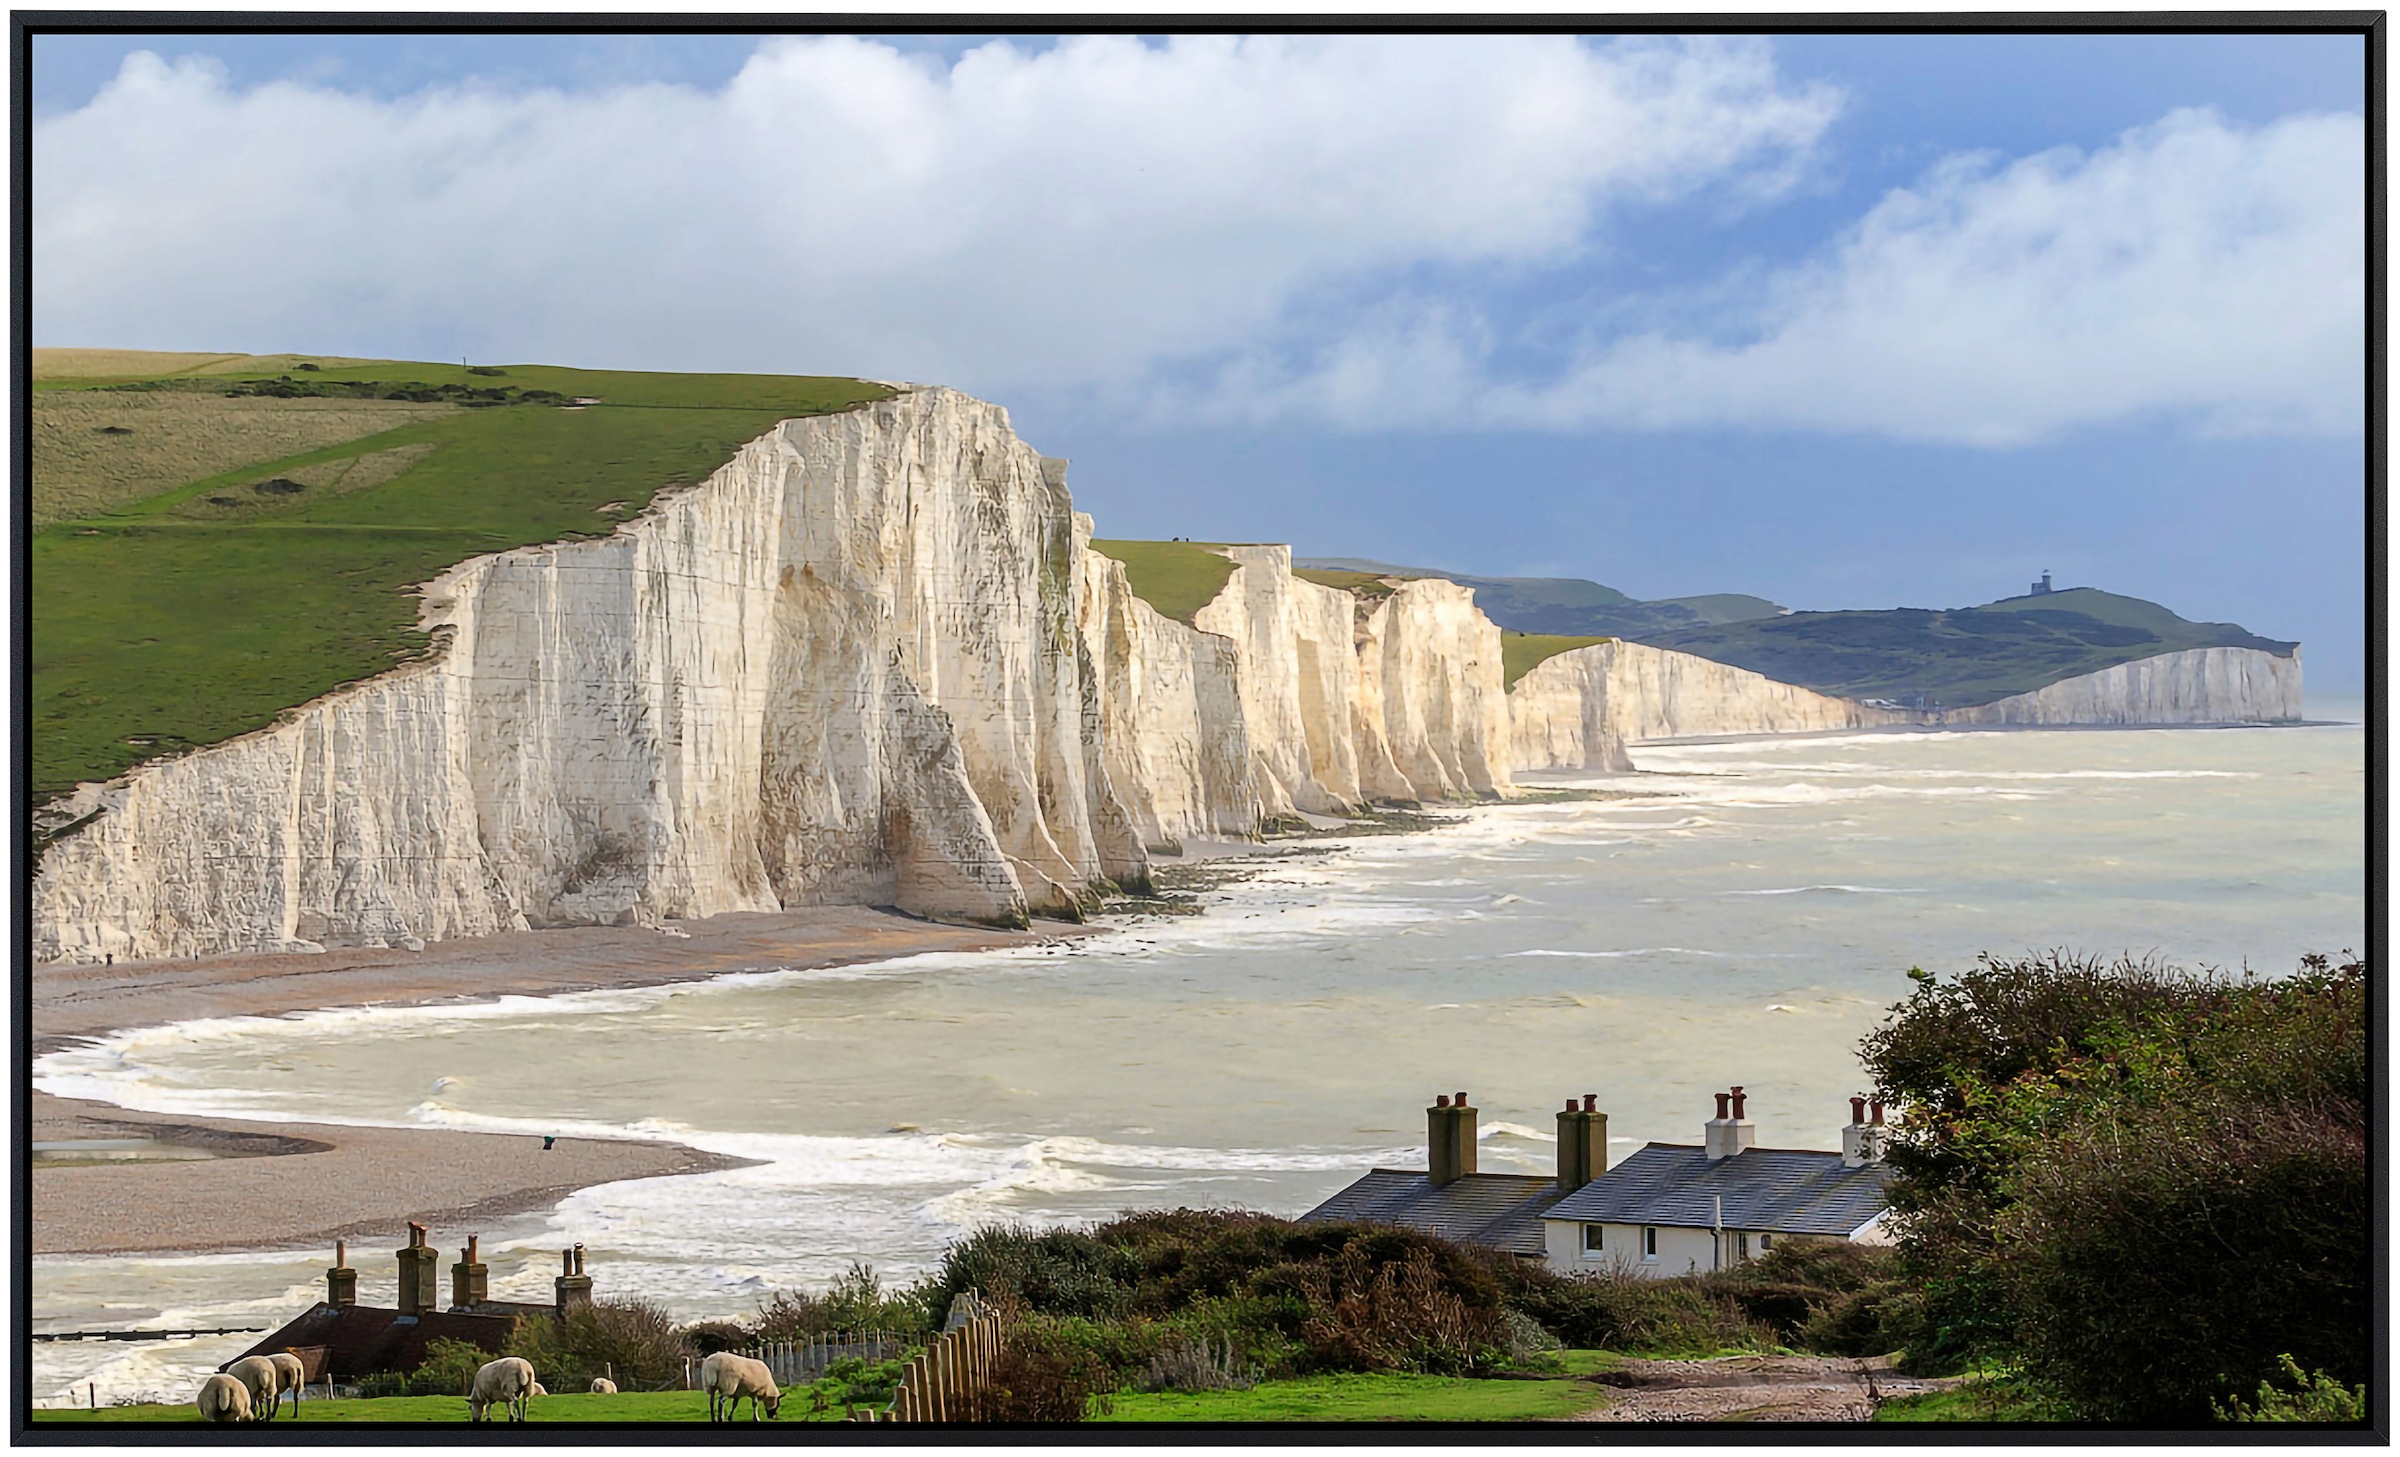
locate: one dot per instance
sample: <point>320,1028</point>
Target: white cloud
<point>2194,266</point>
<point>1075,219</point>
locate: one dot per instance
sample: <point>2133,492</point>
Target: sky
<point>1837,320</point>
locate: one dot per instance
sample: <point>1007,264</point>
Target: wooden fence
<point>951,1380</point>
<point>797,1363</point>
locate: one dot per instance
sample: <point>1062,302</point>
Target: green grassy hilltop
<point>217,543</point>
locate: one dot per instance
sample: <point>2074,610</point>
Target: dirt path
<point>1755,1389</point>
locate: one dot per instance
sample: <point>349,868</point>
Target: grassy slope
<point>1964,657</point>
<point>1522,652</point>
<point>153,633</point>
<point>1177,578</point>
<point>1364,585</point>
<point>1394,1398</point>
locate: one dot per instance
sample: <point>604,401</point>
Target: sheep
<point>292,1374</point>
<point>265,1384</point>
<point>224,1398</point>
<point>508,1380</point>
<point>602,1386</point>
<point>727,1378</point>
<point>538,1390</point>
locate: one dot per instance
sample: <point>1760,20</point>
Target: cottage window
<point>1649,1242</point>
<point>1591,1239</point>
<point>1741,1247</point>
<point>1766,1242</point>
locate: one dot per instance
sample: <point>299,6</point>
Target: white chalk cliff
<point>2198,685</point>
<point>1579,709</point>
<point>873,660</point>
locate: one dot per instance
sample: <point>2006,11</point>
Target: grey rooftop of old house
<point>1502,1211</point>
<point>1779,1190</point>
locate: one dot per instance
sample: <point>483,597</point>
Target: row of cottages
<point>1665,1209</point>
<point>342,1340</point>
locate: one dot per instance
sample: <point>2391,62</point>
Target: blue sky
<point>1845,321</point>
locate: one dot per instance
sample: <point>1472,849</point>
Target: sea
<point>1737,912</point>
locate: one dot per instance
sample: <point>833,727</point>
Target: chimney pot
<point>1441,1100</point>
<point>1459,1101</point>
<point>1570,1105</point>
<point>1722,1100</point>
<point>1738,1100</point>
<point>1858,1110</point>
<point>1591,1102</point>
<point>341,1252</point>
<point>1877,1107</point>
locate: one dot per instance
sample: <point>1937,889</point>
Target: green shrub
<point>1041,1376</point>
<point>448,1369</point>
<point>2139,1186</point>
<point>2314,1397</point>
<point>857,1302</point>
<point>633,1339</point>
<point>860,1382</point>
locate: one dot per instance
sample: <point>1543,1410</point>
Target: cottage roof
<point>356,1340</point>
<point>1777,1190</point>
<point>1502,1211</point>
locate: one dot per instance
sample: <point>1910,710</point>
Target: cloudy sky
<point>1845,321</point>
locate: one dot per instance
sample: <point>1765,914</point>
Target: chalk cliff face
<point>1172,733</point>
<point>845,668</point>
<point>1579,709</point>
<point>2202,685</point>
<point>1292,640</point>
<point>1433,717</point>
<point>873,660</point>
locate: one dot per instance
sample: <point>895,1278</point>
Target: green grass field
<point>155,629</point>
<point>1980,1399</point>
<point>1522,652</point>
<point>1177,578</point>
<point>1365,1399</point>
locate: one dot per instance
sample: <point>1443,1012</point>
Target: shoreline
<point>274,1184</point>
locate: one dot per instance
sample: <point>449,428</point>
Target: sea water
<point>1738,912</point>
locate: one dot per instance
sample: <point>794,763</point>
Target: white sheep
<point>293,1375</point>
<point>538,1390</point>
<point>508,1380</point>
<point>602,1386</point>
<point>727,1378</point>
<point>265,1384</point>
<point>224,1398</point>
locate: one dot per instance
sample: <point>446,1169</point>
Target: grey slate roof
<point>1502,1211</point>
<point>1779,1190</point>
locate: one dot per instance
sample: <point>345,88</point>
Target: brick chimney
<point>574,1287</point>
<point>1449,1139</point>
<point>1582,1143</point>
<point>1729,1132</point>
<point>470,1278</point>
<point>418,1281</point>
<point>341,1282</point>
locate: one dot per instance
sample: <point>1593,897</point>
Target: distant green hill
<point>1963,657</point>
<point>1568,606</point>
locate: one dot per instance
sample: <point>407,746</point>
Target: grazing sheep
<point>224,1398</point>
<point>727,1378</point>
<point>293,1375</point>
<point>508,1380</point>
<point>265,1384</point>
<point>602,1386</point>
<point>538,1390</point>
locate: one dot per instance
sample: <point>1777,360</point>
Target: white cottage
<point>1676,1208</point>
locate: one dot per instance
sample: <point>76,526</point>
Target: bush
<point>634,1339</point>
<point>2313,1398</point>
<point>1040,1377</point>
<point>2141,1186</point>
<point>857,1302</point>
<point>711,1336</point>
<point>859,1382</point>
<point>448,1369</point>
<point>1053,1271</point>
<point>1184,1363</point>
